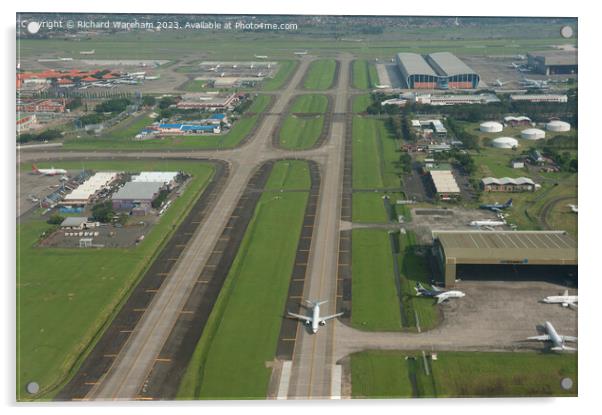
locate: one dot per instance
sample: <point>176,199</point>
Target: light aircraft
<point>439,294</point>
<point>487,222</point>
<point>565,299</point>
<point>379,86</point>
<point>573,208</point>
<point>534,83</point>
<point>499,82</point>
<point>315,321</point>
<point>260,74</point>
<point>48,172</point>
<point>497,207</point>
<point>556,339</point>
<point>514,65</point>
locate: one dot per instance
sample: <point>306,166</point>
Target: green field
<point>483,39</point>
<point>300,132</point>
<point>361,103</point>
<point>230,359</point>
<point>368,207</point>
<point>389,374</point>
<point>375,155</point>
<point>285,72</point>
<point>65,297</point>
<point>320,74</point>
<point>310,104</point>
<point>375,304</point>
<point>289,175</point>
<point>364,75</point>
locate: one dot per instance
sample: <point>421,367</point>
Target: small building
<point>167,178</point>
<point>513,121</point>
<point>517,164</point>
<point>507,184</point>
<point>136,196</point>
<point>78,223</point>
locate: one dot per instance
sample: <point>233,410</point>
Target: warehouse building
<point>507,184</point>
<point>504,255</point>
<point>554,98</point>
<point>553,62</point>
<point>86,191</point>
<point>454,99</point>
<point>445,184</point>
<point>442,70</point>
<point>167,178</point>
<point>136,196</point>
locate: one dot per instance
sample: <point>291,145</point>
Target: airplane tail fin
<point>315,303</point>
<point>509,203</point>
<point>566,293</point>
<point>34,168</point>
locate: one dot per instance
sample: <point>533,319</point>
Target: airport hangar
<point>441,70</point>
<point>553,62</point>
<point>505,255</point>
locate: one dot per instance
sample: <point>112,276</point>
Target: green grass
<point>375,305</point>
<point>320,74</point>
<point>299,133</point>
<point>66,296</point>
<point>375,155</point>
<point>387,374</point>
<point>285,71</point>
<point>372,75</point>
<point>414,268</point>
<point>360,77</point>
<point>128,128</point>
<point>310,104</point>
<point>260,104</point>
<point>361,103</point>
<point>289,174</point>
<point>368,207</point>
<point>242,333</point>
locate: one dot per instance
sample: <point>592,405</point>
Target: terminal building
<point>441,70</point>
<point>504,255</point>
<point>553,62</point>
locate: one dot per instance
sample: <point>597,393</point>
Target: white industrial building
<point>82,194</point>
<point>539,98</point>
<point>445,184</point>
<point>491,127</point>
<point>163,177</point>
<point>558,126</point>
<point>504,142</point>
<point>533,134</point>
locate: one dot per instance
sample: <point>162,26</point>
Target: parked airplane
<point>261,56</point>
<point>315,321</point>
<point>514,65</point>
<point>48,172</point>
<point>556,339</point>
<point>499,82</point>
<point>379,86</point>
<point>534,83</point>
<point>565,299</point>
<point>87,52</point>
<point>573,208</point>
<point>439,294</point>
<point>497,207</point>
<point>487,222</point>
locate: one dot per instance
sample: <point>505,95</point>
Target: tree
<point>55,220</point>
<point>103,212</point>
<point>148,100</point>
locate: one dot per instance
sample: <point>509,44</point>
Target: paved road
<point>131,368</point>
<point>313,357</point>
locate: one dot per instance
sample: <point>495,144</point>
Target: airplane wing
<point>571,339</point>
<point>542,338</point>
<point>299,316</point>
<point>441,299</point>
<point>331,316</point>
<point>435,288</point>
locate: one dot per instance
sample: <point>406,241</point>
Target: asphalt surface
<point>313,359</point>
<point>128,375</point>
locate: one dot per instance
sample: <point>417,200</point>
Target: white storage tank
<point>504,142</point>
<point>533,134</point>
<point>558,126</point>
<point>491,127</point>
